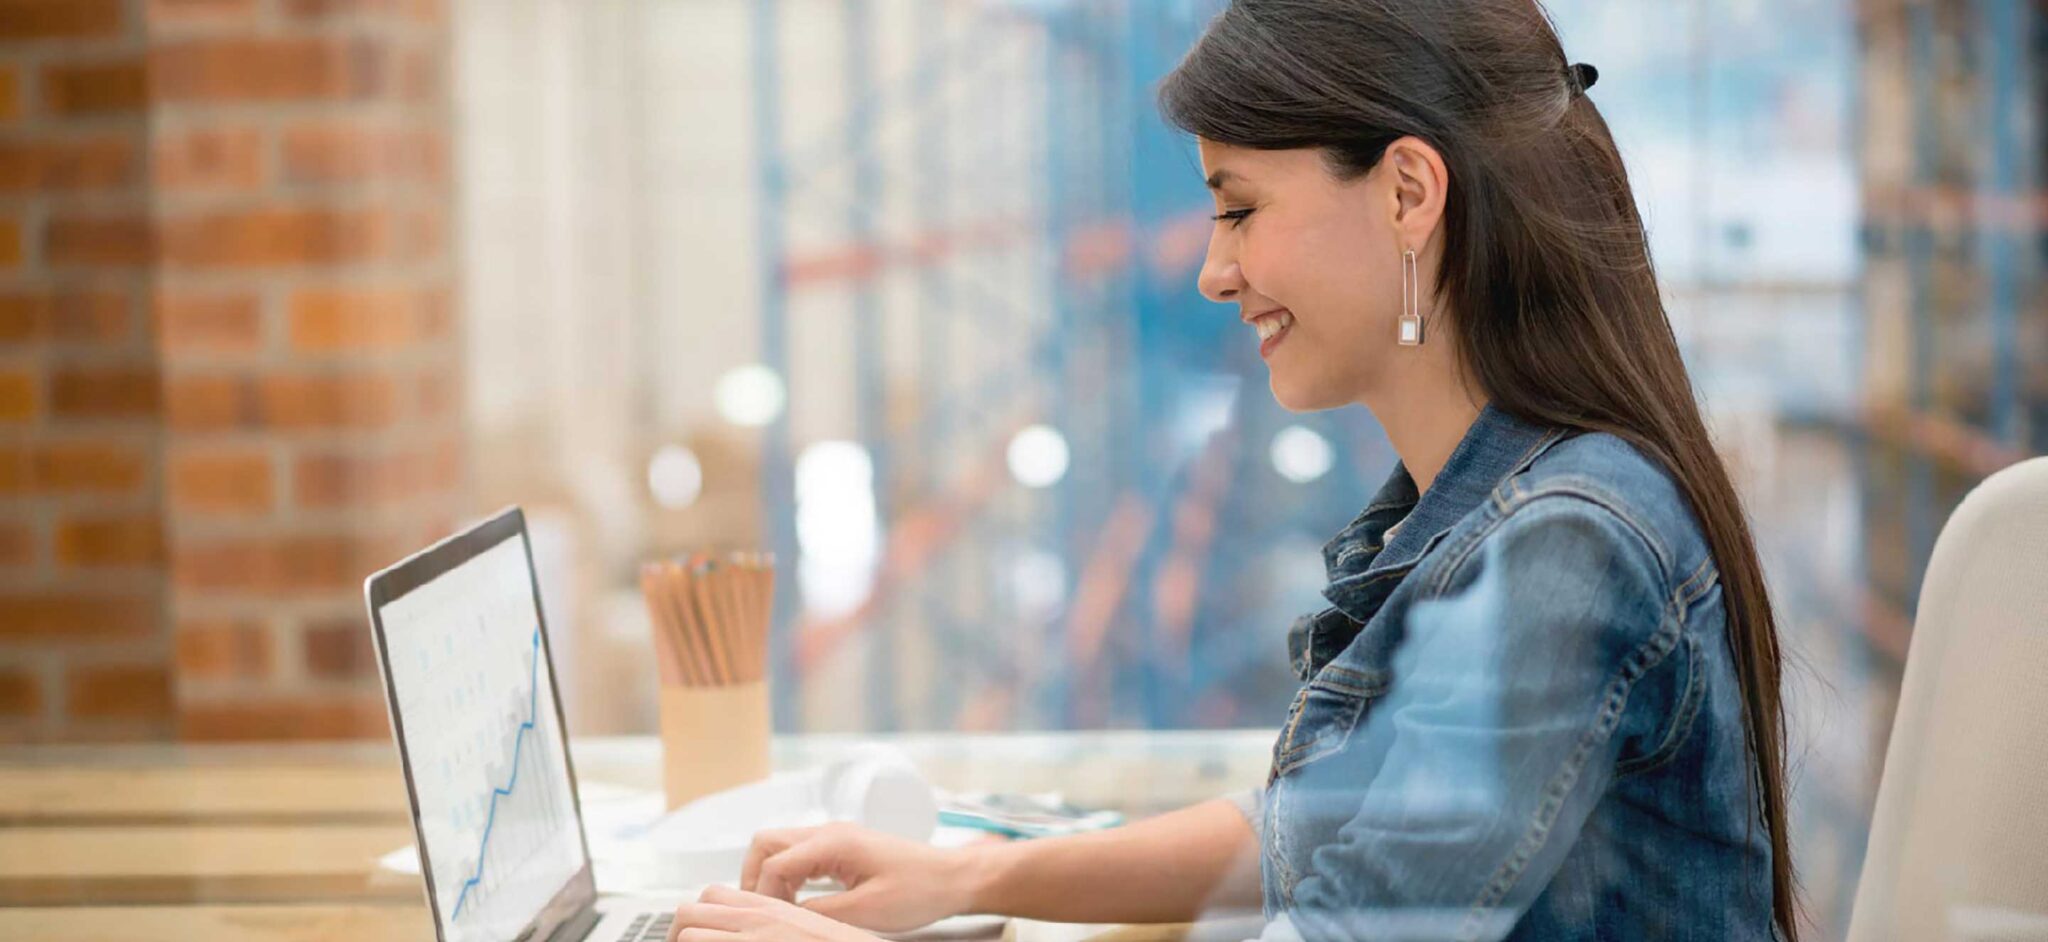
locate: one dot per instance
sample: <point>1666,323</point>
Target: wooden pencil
<point>716,577</point>
<point>765,619</point>
<point>738,599</point>
<point>697,591</point>
<point>748,628</point>
<point>703,673</point>
<point>666,664</point>
<point>744,629</point>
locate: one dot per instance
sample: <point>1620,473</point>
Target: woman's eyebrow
<point>1221,178</point>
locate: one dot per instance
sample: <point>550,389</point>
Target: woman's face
<point>1312,250</point>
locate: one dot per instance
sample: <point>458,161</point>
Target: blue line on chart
<point>518,739</point>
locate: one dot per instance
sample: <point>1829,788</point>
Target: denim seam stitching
<point>1549,438</point>
<point>1278,836</point>
<point>1698,583</point>
<point>1310,751</point>
<point>1456,555</point>
<point>1369,682</point>
<point>1601,499</point>
<point>1400,570</point>
<point>1688,710</point>
<point>1645,656</point>
<point>1694,696</point>
<point>1293,721</point>
<point>1523,501</point>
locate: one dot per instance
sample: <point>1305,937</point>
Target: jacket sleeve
<point>1250,802</point>
<point>1500,729</point>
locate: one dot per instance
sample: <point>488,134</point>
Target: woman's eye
<point>1236,217</point>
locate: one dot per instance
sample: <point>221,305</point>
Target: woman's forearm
<point>1170,868</point>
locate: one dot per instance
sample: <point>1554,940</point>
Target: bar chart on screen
<point>483,744</point>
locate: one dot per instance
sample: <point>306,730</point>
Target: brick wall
<point>84,642</point>
<point>230,381</point>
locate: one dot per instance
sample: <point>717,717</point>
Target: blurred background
<point>902,291</point>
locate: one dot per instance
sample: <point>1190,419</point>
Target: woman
<point>1544,701</point>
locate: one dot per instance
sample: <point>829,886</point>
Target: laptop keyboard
<point>649,927</point>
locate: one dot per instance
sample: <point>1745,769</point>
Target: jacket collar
<point>1363,563</point>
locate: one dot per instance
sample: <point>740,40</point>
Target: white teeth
<point>1273,324</point>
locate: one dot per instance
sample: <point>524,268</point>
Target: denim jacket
<point>1520,717</point>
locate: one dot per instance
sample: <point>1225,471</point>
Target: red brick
<point>277,564</point>
<point>245,69</point>
<point>347,717</point>
<point>423,74</point>
<point>17,544</point>
<point>327,320</point>
<point>333,152</point>
<point>224,649</point>
<point>17,396</point>
<point>64,315</point>
<point>192,322</point>
<point>60,19</point>
<point>46,615</point>
<point>208,403</point>
<point>283,401</point>
<point>362,401</point>
<point>423,11</point>
<point>17,475</point>
<point>337,479</point>
<point>115,86</point>
<point>271,238</point>
<point>68,164</point>
<point>162,12</point>
<point>422,235</point>
<point>101,541</point>
<point>338,650</point>
<point>10,93</point>
<point>438,396</point>
<point>105,392</point>
<point>11,241</point>
<point>118,691</point>
<point>210,159</point>
<point>90,467</point>
<point>223,480</point>
<point>22,317</point>
<point>98,239</point>
<point>21,694</point>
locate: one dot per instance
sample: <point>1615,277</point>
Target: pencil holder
<point>713,738</point>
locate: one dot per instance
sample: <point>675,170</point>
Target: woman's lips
<point>1267,345</point>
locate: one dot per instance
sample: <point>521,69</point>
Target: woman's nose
<point>1220,280</point>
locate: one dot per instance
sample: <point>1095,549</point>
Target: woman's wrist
<point>981,870</point>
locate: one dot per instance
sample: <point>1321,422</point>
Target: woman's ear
<point>1418,186</point>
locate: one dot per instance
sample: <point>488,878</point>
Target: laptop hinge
<point>576,927</point>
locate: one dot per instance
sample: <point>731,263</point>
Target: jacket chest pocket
<point>1322,716</point>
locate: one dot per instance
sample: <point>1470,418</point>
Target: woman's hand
<point>723,914</point>
<point>892,884</point>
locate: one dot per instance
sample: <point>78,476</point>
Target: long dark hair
<point>1545,266</point>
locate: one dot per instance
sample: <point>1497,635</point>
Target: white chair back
<point>1959,841</point>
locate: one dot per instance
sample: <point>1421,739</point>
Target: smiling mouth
<point>1272,327</point>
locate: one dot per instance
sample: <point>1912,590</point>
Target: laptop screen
<point>481,738</point>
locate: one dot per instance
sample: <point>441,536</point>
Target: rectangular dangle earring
<point>1411,302</point>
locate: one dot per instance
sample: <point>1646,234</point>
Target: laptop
<point>471,688</point>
